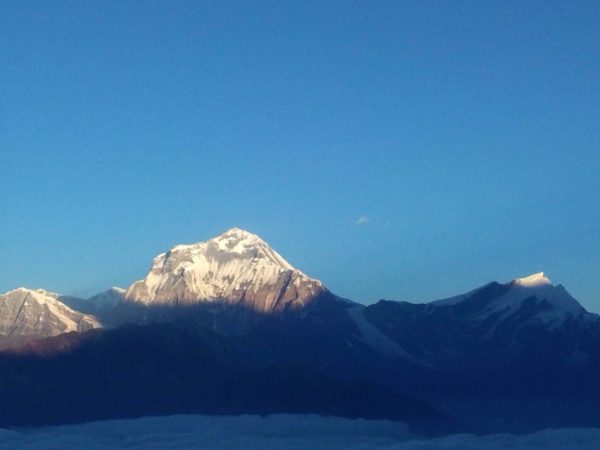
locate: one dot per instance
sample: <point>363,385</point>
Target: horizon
<point>532,279</point>
<point>407,152</point>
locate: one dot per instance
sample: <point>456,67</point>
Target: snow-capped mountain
<point>27,314</point>
<point>107,299</point>
<point>495,321</point>
<point>534,296</point>
<point>524,338</point>
<point>235,268</point>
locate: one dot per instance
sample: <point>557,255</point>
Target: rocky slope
<point>27,314</point>
<point>235,268</point>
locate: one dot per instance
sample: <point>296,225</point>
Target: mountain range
<point>229,326</point>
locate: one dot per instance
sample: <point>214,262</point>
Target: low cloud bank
<point>275,432</point>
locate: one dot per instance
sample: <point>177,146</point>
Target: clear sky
<point>406,150</point>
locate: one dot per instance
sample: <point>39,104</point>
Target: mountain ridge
<point>233,293</point>
<point>559,303</point>
<point>239,269</point>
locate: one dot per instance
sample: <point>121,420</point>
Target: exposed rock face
<point>236,268</point>
<point>27,314</point>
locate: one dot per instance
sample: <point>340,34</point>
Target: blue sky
<point>404,150</point>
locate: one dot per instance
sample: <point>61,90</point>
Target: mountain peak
<point>534,293</point>
<point>36,313</point>
<point>236,267</point>
<point>536,279</point>
<point>236,240</point>
<point>26,289</point>
<point>234,243</point>
<point>238,233</point>
<point>40,295</point>
<point>230,238</point>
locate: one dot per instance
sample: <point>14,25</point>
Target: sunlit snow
<point>235,267</point>
<point>536,279</point>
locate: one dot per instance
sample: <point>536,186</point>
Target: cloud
<point>362,220</point>
<point>276,432</point>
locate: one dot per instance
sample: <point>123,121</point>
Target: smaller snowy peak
<point>114,290</point>
<point>108,298</point>
<point>533,296</point>
<point>538,286</point>
<point>100,305</point>
<point>36,313</point>
<point>536,279</point>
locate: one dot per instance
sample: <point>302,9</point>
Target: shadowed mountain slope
<point>514,356</point>
<point>179,368</point>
